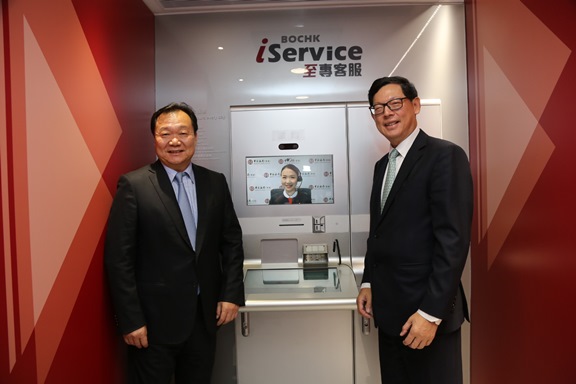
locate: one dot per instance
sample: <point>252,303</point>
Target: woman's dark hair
<point>408,88</point>
<point>172,107</point>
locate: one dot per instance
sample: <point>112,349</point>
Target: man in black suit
<point>173,281</point>
<point>418,244</point>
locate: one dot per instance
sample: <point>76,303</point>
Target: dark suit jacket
<point>304,196</point>
<point>418,245</point>
<point>152,269</point>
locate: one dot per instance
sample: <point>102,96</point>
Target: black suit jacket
<point>152,269</point>
<point>418,245</point>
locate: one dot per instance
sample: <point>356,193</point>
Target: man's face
<point>175,140</point>
<point>396,125</point>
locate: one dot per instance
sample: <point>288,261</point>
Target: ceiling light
<point>299,71</point>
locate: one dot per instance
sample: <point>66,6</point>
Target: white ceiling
<point>166,7</point>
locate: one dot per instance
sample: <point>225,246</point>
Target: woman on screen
<point>290,193</point>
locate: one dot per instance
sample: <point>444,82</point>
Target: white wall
<point>423,43</point>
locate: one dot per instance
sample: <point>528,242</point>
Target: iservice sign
<point>323,61</point>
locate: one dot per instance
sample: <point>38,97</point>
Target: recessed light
<point>299,71</point>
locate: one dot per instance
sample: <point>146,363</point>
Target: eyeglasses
<point>393,105</point>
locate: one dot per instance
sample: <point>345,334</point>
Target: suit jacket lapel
<point>159,178</point>
<point>378,182</point>
<point>202,198</point>
<point>412,158</point>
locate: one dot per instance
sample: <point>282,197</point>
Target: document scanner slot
<point>279,276</point>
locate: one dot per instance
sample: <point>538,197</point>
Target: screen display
<point>300,179</point>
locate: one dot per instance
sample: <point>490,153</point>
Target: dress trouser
<point>439,363</point>
<point>190,362</point>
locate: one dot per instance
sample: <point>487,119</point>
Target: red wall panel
<point>522,76</point>
<point>97,61</point>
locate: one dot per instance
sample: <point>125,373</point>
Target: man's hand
<point>137,338</point>
<point>420,332</point>
<point>364,302</point>
<point>226,312</point>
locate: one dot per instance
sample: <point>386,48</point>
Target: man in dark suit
<point>173,280</point>
<point>418,244</point>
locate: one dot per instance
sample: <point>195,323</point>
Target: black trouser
<point>439,363</point>
<point>190,362</point>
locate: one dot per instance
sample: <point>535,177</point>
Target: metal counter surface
<point>300,289</point>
